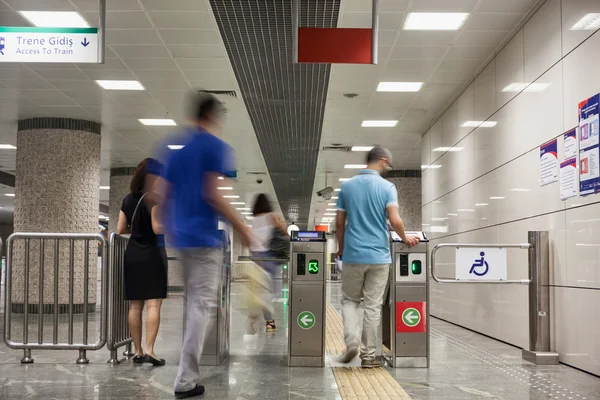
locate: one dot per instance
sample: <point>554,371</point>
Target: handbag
<point>279,243</point>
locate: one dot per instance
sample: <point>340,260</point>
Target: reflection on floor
<point>464,365</point>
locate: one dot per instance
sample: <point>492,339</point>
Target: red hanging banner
<point>335,45</point>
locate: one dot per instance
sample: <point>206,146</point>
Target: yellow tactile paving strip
<point>357,383</point>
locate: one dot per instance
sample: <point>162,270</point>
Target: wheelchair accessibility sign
<point>484,263</point>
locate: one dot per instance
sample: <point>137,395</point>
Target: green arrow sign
<point>313,267</point>
<point>411,317</point>
<point>306,320</point>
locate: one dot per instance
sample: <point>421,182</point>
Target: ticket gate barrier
<point>306,316</point>
<point>405,314</point>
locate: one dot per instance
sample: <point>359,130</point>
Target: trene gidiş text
<point>51,41</point>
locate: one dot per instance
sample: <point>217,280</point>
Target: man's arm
<point>398,225</point>
<point>340,228</point>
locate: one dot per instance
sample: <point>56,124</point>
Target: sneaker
<point>351,352</point>
<point>197,391</point>
<point>374,363</point>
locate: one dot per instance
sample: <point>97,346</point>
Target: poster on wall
<point>570,144</point>
<point>549,162</point>
<point>589,139</point>
<point>568,179</point>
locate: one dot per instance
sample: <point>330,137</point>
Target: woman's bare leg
<point>135,324</point>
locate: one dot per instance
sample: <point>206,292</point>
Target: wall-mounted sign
<point>568,179</point>
<point>482,263</point>
<point>549,162</point>
<point>570,144</point>
<point>589,157</point>
<point>48,45</point>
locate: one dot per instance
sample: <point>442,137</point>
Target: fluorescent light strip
<point>225,188</point>
<point>399,86</point>
<point>7,147</point>
<point>237,203</point>
<point>330,214</point>
<point>219,178</point>
<point>445,149</point>
<point>243,209</point>
<point>246,213</point>
<point>355,166</point>
<point>481,204</point>
<point>157,121</point>
<point>519,87</point>
<point>465,210</point>
<point>430,166</point>
<point>331,209</point>
<point>344,179</point>
<point>231,196</point>
<point>497,198</point>
<point>479,124</point>
<point>362,148</point>
<point>435,21</point>
<point>336,190</point>
<point>589,22</point>
<point>55,19</point>
<point>452,215</point>
<point>332,204</point>
<point>120,85</point>
<point>379,123</point>
<point>520,190</point>
<point>179,147</point>
<point>104,187</point>
<point>10,194</point>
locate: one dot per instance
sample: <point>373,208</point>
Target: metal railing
<point>333,273</point>
<point>118,309</point>
<point>63,245</point>
<point>538,281</point>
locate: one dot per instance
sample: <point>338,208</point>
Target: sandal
<point>137,359</point>
<point>154,361</point>
<point>271,327</point>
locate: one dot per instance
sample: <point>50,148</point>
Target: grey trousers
<point>366,281</point>
<point>202,268</point>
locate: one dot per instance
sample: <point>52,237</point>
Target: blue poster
<point>589,140</point>
<point>549,162</point>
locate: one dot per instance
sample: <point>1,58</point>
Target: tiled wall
<point>503,161</point>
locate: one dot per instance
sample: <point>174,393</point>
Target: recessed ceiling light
<point>344,179</point>
<point>355,166</point>
<point>329,214</point>
<point>336,190</point>
<point>104,187</point>
<point>179,147</point>
<point>497,198</point>
<point>332,204</point>
<point>157,121</point>
<point>379,123</point>
<point>399,86</point>
<point>225,188</point>
<point>431,166</point>
<point>444,149</point>
<point>520,190</point>
<point>362,148</point>
<point>243,209</point>
<point>435,21</point>
<point>335,197</point>
<point>7,147</point>
<point>55,19</point>
<point>533,87</point>
<point>231,196</point>
<point>452,215</point>
<point>120,85</point>
<point>246,213</point>
<point>237,203</point>
<point>479,124</point>
<point>219,178</point>
<point>465,210</point>
<point>249,217</point>
<point>589,22</point>
<point>481,204</point>
<point>10,194</point>
<point>331,209</point>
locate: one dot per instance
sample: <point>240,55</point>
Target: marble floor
<point>464,365</point>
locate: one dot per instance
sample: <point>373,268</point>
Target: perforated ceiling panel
<point>286,101</point>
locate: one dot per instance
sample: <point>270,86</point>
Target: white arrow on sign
<point>410,317</point>
<point>306,320</point>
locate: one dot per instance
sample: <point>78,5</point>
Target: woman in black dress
<point>145,265</point>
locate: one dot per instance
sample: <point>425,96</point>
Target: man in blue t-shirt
<point>191,203</point>
<point>365,203</point>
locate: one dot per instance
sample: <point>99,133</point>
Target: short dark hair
<point>204,106</point>
<point>136,186</point>
<point>377,153</point>
<point>262,205</point>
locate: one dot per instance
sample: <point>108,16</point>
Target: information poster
<point>570,141</point>
<point>589,139</point>
<point>549,162</point>
<point>568,179</point>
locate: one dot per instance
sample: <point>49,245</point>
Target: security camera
<point>259,181</point>
<point>325,193</point>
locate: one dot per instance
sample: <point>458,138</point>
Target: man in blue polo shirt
<point>364,205</point>
<point>191,205</point>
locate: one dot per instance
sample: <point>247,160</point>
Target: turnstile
<point>405,315</point>
<point>306,316</point>
<point>216,344</point>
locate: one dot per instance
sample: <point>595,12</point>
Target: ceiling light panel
<point>120,85</point>
<point>435,21</point>
<point>55,19</point>
<point>445,149</point>
<point>179,147</point>
<point>479,124</point>
<point>362,148</point>
<point>7,147</point>
<point>379,123</point>
<point>589,22</point>
<point>355,166</point>
<point>399,86</point>
<point>157,122</point>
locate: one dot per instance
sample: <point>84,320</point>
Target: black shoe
<point>197,391</point>
<point>154,361</point>
<point>138,359</point>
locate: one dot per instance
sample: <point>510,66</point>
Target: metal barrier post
<point>538,292</point>
<point>55,306</point>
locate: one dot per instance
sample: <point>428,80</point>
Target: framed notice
<point>589,139</point>
<point>570,144</point>
<point>568,179</point>
<point>549,162</point>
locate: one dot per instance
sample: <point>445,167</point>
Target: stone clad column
<point>57,190</point>
<point>408,185</point>
<point>119,188</point>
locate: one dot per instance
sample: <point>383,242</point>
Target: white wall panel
<point>503,161</point>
